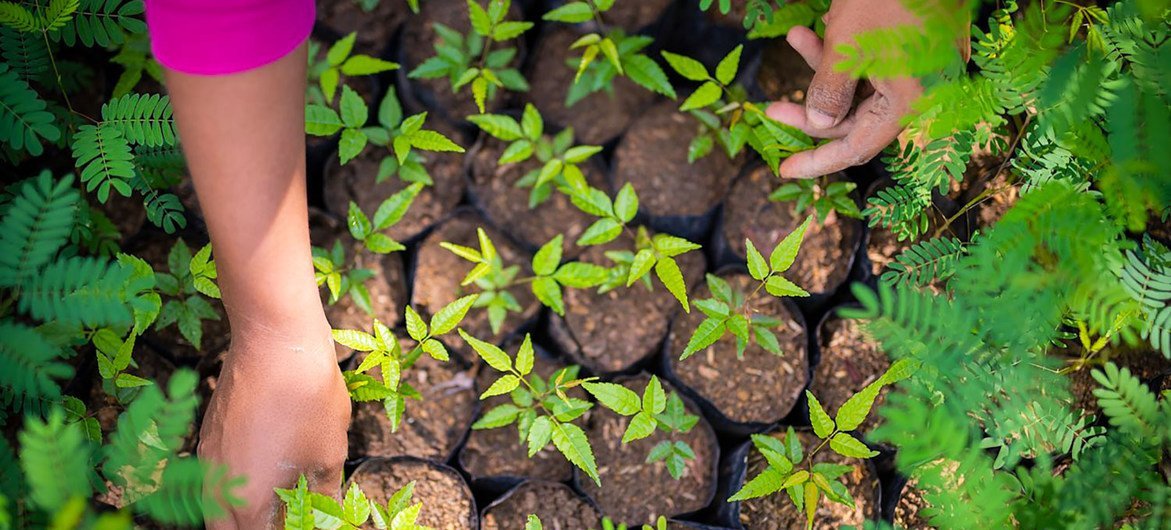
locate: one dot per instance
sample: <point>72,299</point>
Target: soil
<point>438,273</point>
<point>355,181</point>
<point>882,248</point>
<point>1160,229</point>
<point>495,191</point>
<point>784,75</point>
<point>127,213</point>
<point>375,28</point>
<point>499,452</point>
<point>634,16</point>
<point>431,428</point>
<point>993,207</point>
<point>777,511</point>
<point>597,118</point>
<point>636,492</point>
<point>418,44</point>
<point>1143,364</point>
<point>555,504</point>
<point>612,332</point>
<point>447,501</point>
<point>653,157</point>
<point>734,19</point>
<point>907,511</point>
<point>387,288</point>
<point>849,361</point>
<point>761,387</point>
<point>826,254</point>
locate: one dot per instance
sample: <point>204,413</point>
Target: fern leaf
<point>29,367</point>
<point>55,459</point>
<point>17,17</point>
<point>144,119</point>
<point>24,122</point>
<point>902,209</point>
<point>1149,283</point>
<point>180,498</point>
<point>1127,402</point>
<point>161,167</point>
<point>149,433</point>
<point>58,13</point>
<point>88,291</point>
<point>102,22</point>
<point>36,224</point>
<point>925,262</point>
<point>25,53</point>
<point>105,160</point>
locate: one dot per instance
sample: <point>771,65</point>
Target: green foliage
<point>330,270</point>
<point>101,23</point>
<point>54,460</point>
<point>187,285</point>
<point>308,510</point>
<point>24,122</point>
<point>925,262</point>
<point>655,410</point>
<point>35,226</point>
<point>823,195</point>
<point>1147,280</point>
<point>340,60</point>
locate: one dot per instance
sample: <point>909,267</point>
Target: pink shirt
<point>210,37</point>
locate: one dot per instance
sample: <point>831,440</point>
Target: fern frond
<point>144,119</point>
<point>88,291</point>
<point>105,160</point>
<point>36,224</point>
<point>1149,283</point>
<point>1127,402</point>
<point>25,53</point>
<point>29,368</point>
<point>162,209</point>
<point>17,17</point>
<point>181,498</point>
<point>925,262</point>
<point>24,122</point>
<point>898,51</point>
<point>102,22</point>
<point>1041,159</point>
<point>131,461</point>
<point>901,209</point>
<point>161,167</point>
<point>55,458</point>
<point>58,13</point>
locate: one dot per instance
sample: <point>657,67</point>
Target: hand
<point>858,135</point>
<point>280,409</point>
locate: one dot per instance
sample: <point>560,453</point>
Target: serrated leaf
<point>498,416</point>
<point>450,316</point>
<point>615,397</point>
<point>572,442</point>
<point>355,339</point>
<point>548,292</point>
<point>572,13</point>
<point>785,253</point>
<point>416,327</point>
<point>854,411</point>
<point>767,482</point>
<point>641,426</point>
<point>500,127</point>
<point>493,355</point>
<point>525,356</point>
<point>726,70</point>
<point>668,272</point>
<point>435,349</point>
<point>626,203</point>
<point>703,96</point>
<point>686,66</point>
<point>504,385</point>
<point>848,446</point>
<point>540,433</point>
<point>322,121</point>
<point>708,332</point>
<point>548,257</point>
<point>642,264</point>
<point>779,286</point>
<point>823,426</point>
<point>757,266</point>
<point>601,232</point>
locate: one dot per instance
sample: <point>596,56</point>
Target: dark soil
<point>777,511</point>
<point>555,504</point>
<point>636,492</point>
<point>989,210</point>
<point>387,288</point>
<point>907,511</point>
<point>1146,365</point>
<point>500,452</point>
<point>507,205</point>
<point>612,332</point>
<point>652,156</point>
<point>417,44</point>
<point>849,361</point>
<point>633,16</point>
<point>375,28</point>
<point>438,273</point>
<point>824,260</point>
<point>447,501</point>
<point>355,181</point>
<point>761,387</point>
<point>783,75</point>
<point>127,213</point>
<point>431,428</point>
<point>597,118</point>
<point>734,19</point>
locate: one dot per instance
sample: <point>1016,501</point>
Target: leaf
<point>601,232</point>
<point>786,251</point>
<point>341,49</point>
<point>780,286</point>
<point>357,222</point>
<point>572,442</point>
<point>548,292</point>
<point>321,121</point>
<point>435,349</point>
<point>654,399</point>
<point>672,246</point>
<point>726,70</point>
<point>480,20</point>
<point>497,416</point>
<point>626,203</point>
<point>581,275</point>
<point>395,207</point>
<point>708,332</point>
<point>540,433</point>
<point>686,67</point>
<point>416,327</point>
<point>615,397</point>
<point>848,446</point>
<point>355,506</point>
<point>428,140</point>
<point>533,523</point>
<point>510,30</point>
<point>353,110</point>
<point>757,266</point>
<point>480,92</point>
<point>641,426</point>
<point>572,13</point>
<point>668,272</point>
<point>504,385</point>
<point>767,482</point>
<point>611,53</point>
<point>493,355</point>
<point>366,65</point>
<point>355,340</point>
<point>647,73</point>
<point>857,407</point>
<point>498,126</point>
<point>524,356</point>
<point>451,315</point>
<point>351,144</point>
<point>703,96</point>
<point>642,264</point>
<point>823,426</point>
<point>548,257</point>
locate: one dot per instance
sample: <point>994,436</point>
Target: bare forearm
<point>243,135</point>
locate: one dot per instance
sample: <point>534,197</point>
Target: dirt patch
<point>557,506</point>
<point>127,213</point>
<point>447,501</point>
<point>652,156</point>
<point>431,428</point>
<point>911,503</point>
<point>612,332</point>
<point>826,254</point>
<point>507,205</point>
<point>777,511</point>
<point>499,452</point>
<point>597,118</point>
<point>634,491</point>
<point>633,16</point>
<point>850,360</point>
<point>761,387</point>
<point>375,28</point>
<point>438,273</point>
<point>783,75</point>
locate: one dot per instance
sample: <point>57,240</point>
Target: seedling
<point>309,510</point>
<point>325,75</point>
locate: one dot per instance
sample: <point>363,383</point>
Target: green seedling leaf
<point>615,397</point>
<point>757,266</point>
<point>726,70</point>
<point>848,446</point>
<point>451,315</point>
<point>687,67</point>
<point>786,251</point>
<point>823,426</point>
<point>493,355</point>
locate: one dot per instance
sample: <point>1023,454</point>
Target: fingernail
<point>820,119</point>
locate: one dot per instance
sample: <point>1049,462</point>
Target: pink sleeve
<point>211,37</point>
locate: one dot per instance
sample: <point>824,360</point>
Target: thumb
<point>831,94</point>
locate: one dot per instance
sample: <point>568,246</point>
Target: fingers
<point>794,114</point>
<point>875,126</point>
<point>807,44</point>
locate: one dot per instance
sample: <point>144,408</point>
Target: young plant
<point>384,352</point>
<point>308,510</point>
<point>370,231</point>
<point>820,193</point>
<point>330,270</point>
<point>190,280</point>
<point>541,409</point>
<point>392,132</point>
<point>325,75</point>
<point>492,278</point>
<point>622,53</point>
<point>654,411</point>
<point>731,311</point>
<point>791,467</point>
<point>609,524</point>
<point>471,60</point>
